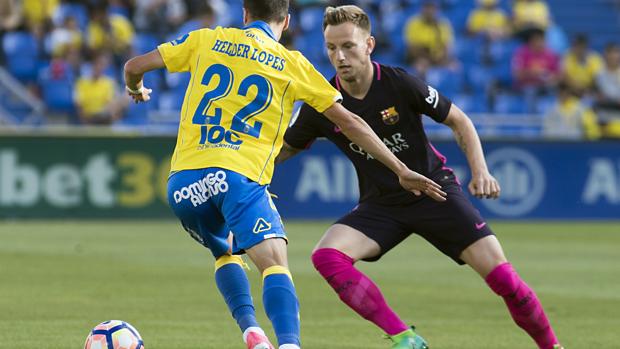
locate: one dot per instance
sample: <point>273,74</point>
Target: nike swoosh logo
<point>480,225</point>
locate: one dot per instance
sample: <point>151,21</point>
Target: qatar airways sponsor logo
<point>202,190</point>
<point>396,144</point>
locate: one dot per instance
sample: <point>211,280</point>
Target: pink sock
<point>524,306</point>
<point>356,289</point>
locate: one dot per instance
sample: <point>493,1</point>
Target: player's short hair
<point>346,14</point>
<point>267,10</point>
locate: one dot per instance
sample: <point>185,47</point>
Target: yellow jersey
<point>528,13</point>
<point>94,96</point>
<point>436,37</point>
<point>581,74</point>
<point>240,97</point>
<point>483,20</point>
<point>120,34</point>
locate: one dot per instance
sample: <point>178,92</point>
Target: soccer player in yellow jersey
<point>237,106</point>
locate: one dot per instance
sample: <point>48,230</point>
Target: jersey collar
<point>262,26</point>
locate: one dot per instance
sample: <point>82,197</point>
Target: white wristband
<point>135,92</point>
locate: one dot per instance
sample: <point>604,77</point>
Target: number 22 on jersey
<point>211,130</point>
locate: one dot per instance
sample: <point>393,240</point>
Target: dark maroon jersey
<point>393,108</point>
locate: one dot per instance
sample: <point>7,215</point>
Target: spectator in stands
<point>201,16</point>
<point>10,14</point>
<point>530,15</point>
<point>570,118</point>
<point>110,33</point>
<point>10,19</point>
<point>488,20</point>
<point>535,66</point>
<point>39,12</point>
<point>95,95</point>
<point>160,16</point>
<point>581,66</point>
<point>66,37</point>
<point>428,36</point>
<point>608,79</point>
<point>608,86</point>
<point>66,64</point>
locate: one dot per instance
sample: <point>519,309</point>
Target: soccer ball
<point>114,334</point>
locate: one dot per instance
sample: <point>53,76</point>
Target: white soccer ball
<point>114,334</point>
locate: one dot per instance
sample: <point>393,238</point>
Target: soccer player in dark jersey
<point>391,101</point>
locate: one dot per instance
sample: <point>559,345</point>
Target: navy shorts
<point>450,226</point>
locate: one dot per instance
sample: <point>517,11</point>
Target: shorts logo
<point>390,116</point>
<point>261,226</point>
<point>202,190</point>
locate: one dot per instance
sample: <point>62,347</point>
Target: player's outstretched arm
<point>135,69</point>
<point>482,184</point>
<point>358,131</point>
<point>287,152</point>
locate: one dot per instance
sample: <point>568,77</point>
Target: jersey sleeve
<point>178,53</point>
<point>312,88</point>
<point>423,98</point>
<point>304,130</point>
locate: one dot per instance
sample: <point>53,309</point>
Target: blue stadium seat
<point>118,10</point>
<point>311,19</point>
<point>75,10</point>
<point>503,50</point>
<point>457,16</point>
<point>58,95</point>
<point>326,70</point>
<point>478,77</point>
<point>393,26</point>
<point>22,55</point>
<point>235,8</point>
<point>468,50</point>
<point>388,57</point>
<point>144,43</point>
<point>447,81</point>
<point>506,103</point>
<point>544,104</point>
<point>312,46</point>
<point>154,81</point>
<point>135,115</point>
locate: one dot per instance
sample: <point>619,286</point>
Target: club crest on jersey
<point>390,116</point>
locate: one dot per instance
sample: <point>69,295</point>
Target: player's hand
<point>140,95</point>
<point>419,184</point>
<point>484,186</point>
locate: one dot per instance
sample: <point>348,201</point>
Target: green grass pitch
<point>59,279</point>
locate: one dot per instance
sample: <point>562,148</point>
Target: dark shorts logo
<point>390,116</point>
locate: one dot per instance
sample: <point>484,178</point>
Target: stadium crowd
<point>488,56</point>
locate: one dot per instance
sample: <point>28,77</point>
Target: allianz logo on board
<point>522,179</point>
